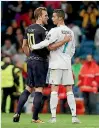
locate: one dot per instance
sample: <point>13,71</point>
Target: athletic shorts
<point>60,76</point>
<point>37,72</point>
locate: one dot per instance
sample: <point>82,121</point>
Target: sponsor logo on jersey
<point>31,30</point>
<point>48,36</point>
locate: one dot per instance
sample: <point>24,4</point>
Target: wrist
<point>32,47</point>
<point>64,41</point>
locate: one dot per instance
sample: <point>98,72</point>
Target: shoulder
<point>53,30</point>
<point>42,27</point>
<point>66,30</point>
<point>71,32</point>
<point>31,28</point>
<point>2,63</point>
<point>11,66</point>
<point>69,29</point>
<point>16,69</point>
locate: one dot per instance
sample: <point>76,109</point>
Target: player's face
<point>44,17</point>
<point>55,18</point>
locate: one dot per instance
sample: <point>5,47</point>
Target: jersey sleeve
<point>50,38</point>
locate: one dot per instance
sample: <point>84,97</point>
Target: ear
<point>40,18</point>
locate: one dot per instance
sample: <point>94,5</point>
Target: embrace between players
<point>37,43</point>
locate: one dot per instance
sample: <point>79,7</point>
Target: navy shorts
<point>37,73</point>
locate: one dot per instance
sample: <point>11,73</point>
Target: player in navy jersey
<point>37,63</point>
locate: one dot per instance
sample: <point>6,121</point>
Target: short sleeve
<point>52,36</point>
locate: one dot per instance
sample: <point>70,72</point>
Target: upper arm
<point>52,36</point>
<point>16,71</point>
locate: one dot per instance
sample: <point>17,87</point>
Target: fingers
<point>49,47</point>
<point>31,48</point>
<point>68,37</point>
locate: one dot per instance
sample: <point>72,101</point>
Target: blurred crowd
<point>83,18</point>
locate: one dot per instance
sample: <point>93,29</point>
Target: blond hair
<point>38,12</point>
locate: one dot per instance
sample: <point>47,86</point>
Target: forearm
<point>40,45</point>
<point>26,50</point>
<point>56,45</point>
<point>25,47</point>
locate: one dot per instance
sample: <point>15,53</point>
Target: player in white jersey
<point>60,71</point>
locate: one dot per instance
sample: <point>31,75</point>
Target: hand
<point>50,46</point>
<point>67,38</point>
<point>31,48</point>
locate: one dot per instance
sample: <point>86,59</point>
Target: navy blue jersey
<point>36,33</point>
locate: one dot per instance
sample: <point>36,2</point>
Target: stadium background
<point>17,16</point>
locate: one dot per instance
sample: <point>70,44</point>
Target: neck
<point>60,23</point>
<point>39,22</point>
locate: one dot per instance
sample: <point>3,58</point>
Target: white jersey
<point>61,57</point>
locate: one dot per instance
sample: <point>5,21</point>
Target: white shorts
<point>60,76</point>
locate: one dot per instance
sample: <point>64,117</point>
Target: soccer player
<point>60,63</point>
<point>37,64</point>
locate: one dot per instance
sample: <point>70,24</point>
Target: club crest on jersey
<point>48,36</point>
<point>46,32</point>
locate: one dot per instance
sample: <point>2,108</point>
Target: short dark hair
<point>60,13</point>
<point>38,12</point>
